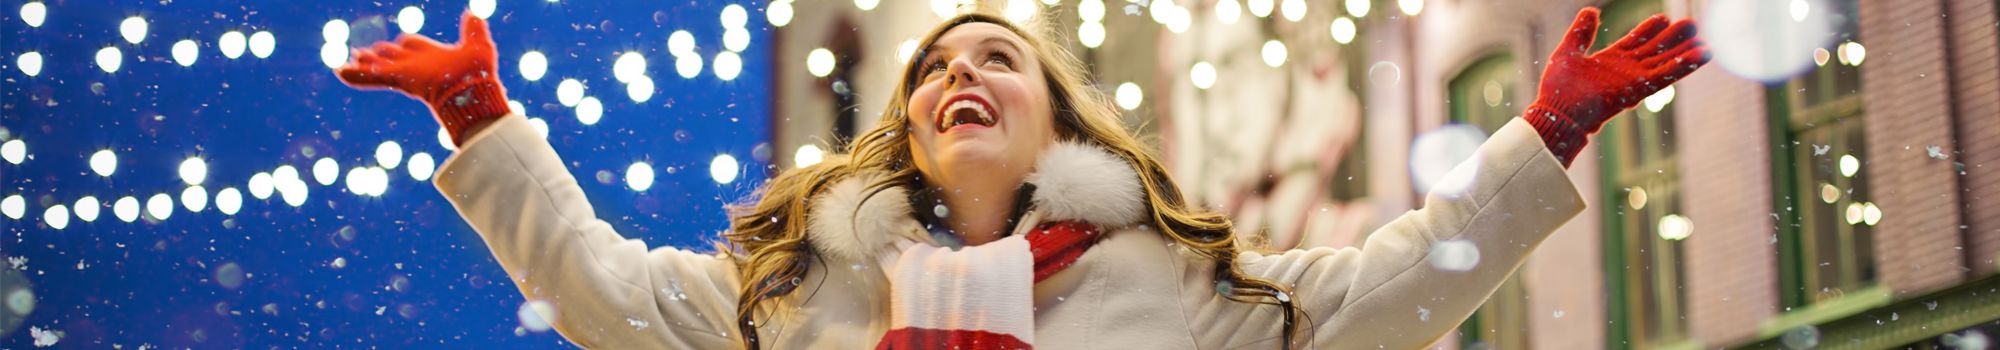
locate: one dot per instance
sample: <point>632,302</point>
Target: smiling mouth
<point>963,110</point>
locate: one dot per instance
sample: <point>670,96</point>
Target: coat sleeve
<point>1419,276</point>
<point>606,291</point>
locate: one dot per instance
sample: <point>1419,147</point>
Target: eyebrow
<point>927,51</point>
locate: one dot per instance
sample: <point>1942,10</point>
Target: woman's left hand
<point>1580,91</point>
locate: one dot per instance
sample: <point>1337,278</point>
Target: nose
<point>961,73</point>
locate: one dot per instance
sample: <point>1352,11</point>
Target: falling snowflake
<point>1423,314</point>
<point>1820,150</point>
<point>18,262</point>
<point>1936,152</point>
<point>636,323</point>
<point>44,337</point>
<point>674,291</point>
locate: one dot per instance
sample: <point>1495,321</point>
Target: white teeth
<point>950,111</point>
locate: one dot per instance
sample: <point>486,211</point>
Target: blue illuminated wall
<point>398,270</point>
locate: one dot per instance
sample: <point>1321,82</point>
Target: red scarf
<point>978,297</point>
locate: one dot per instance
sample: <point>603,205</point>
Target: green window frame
<point>1484,95</point>
<point>1644,258</point>
<point>1825,236</point>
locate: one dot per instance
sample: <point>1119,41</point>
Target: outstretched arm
<point>509,184</point>
<point>1418,277</point>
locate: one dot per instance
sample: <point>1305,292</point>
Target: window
<point>1483,95</point>
<point>1826,239</point>
<point>1643,225</point>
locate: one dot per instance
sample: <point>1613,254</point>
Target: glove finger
<point>364,57</point>
<point>387,50</point>
<point>362,76</point>
<point>1642,33</point>
<point>1681,30</point>
<point>472,30</point>
<point>1686,64</point>
<point>414,42</point>
<point>1671,54</point>
<point>1581,33</point>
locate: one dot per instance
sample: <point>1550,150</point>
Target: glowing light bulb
<point>1090,10</point>
<point>1343,30</point>
<point>906,50</point>
<point>1274,53</point>
<point>1411,7</point>
<point>569,92</point>
<point>422,166</point>
<point>866,5</point>
<point>335,31</point>
<point>194,198</point>
<point>109,59</point>
<point>325,170</point>
<point>194,170</point>
<point>1359,8</point>
<point>333,55</point>
<point>589,111</point>
<point>639,89</point>
<point>628,66</point>
<point>160,206</point>
<point>733,16</point>
<point>104,162</point>
<point>389,154</point>
<point>126,209</point>
<point>261,185</point>
<point>680,43</point>
<point>1020,11</point>
<point>87,208</point>
<point>482,8</point>
<point>639,176</point>
<point>723,168</point>
<point>1202,75</point>
<point>728,65</point>
<point>410,19</point>
<point>34,13</point>
<point>14,207</point>
<point>1090,34</point>
<point>228,201</point>
<point>533,65</point>
<point>262,43</point>
<point>30,63</point>
<point>688,66</point>
<point>819,62</point>
<point>133,29</point>
<point>186,52</point>
<point>779,14</point>
<point>231,44</point>
<point>14,151</point>
<point>736,39</point>
<point>57,217</point>
<point>1129,95</point>
<point>807,155</point>
<point>1293,10</point>
<point>1228,11</point>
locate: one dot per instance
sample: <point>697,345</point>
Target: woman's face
<point>980,114</point>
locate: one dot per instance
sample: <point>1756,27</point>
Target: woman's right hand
<point>460,82</point>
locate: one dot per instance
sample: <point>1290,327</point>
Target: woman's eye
<point>1002,59</point>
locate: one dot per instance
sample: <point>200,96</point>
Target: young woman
<point>999,204</point>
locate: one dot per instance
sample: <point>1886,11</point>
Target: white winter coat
<point>1134,290</point>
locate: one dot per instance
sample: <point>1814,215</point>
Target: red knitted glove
<point>459,82</point>
<point>1579,91</point>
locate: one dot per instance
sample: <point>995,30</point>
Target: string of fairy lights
<point>287,183</point>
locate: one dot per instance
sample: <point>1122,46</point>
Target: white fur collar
<point>1073,181</point>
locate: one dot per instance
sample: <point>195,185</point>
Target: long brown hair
<point>775,253</point>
